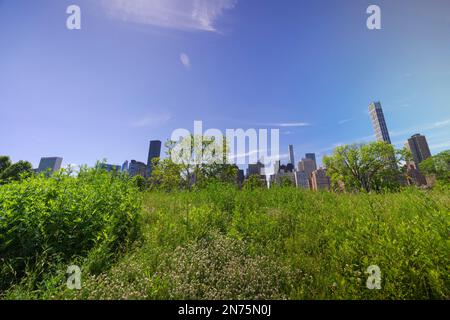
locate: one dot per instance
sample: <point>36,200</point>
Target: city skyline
<point>310,70</point>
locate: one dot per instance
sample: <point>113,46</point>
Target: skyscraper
<point>125,166</point>
<point>418,146</point>
<point>311,156</point>
<point>301,180</point>
<point>378,122</point>
<point>154,151</point>
<point>307,165</point>
<point>50,163</point>
<point>137,168</point>
<point>291,155</point>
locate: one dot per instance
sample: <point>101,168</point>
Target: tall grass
<point>282,243</point>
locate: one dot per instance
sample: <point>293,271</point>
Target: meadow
<point>219,242</point>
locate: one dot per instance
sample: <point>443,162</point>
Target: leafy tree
<point>254,182</point>
<point>140,182</point>
<point>166,175</point>
<point>16,171</point>
<point>5,162</point>
<point>438,165</point>
<point>367,167</point>
<point>201,160</point>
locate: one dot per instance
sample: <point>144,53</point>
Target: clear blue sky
<point>106,90</point>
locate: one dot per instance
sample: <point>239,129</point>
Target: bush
<point>62,218</point>
<point>219,268</point>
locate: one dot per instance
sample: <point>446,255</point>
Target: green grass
<point>282,243</point>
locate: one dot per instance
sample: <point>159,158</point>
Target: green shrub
<point>63,218</point>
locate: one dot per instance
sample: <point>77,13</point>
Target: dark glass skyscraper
<point>378,122</point>
<point>418,146</point>
<point>154,151</point>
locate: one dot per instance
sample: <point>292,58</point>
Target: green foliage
<point>254,182</point>
<point>16,171</point>
<point>5,162</point>
<point>193,162</point>
<point>365,167</point>
<point>438,165</point>
<point>223,243</point>
<point>166,175</point>
<point>140,182</point>
<point>49,220</point>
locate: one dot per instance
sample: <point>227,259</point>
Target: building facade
<point>301,180</point>
<point>320,180</point>
<point>291,155</point>
<point>308,166</point>
<point>311,156</point>
<point>125,166</point>
<point>111,167</point>
<point>255,169</point>
<point>137,168</point>
<point>419,148</point>
<point>51,164</point>
<point>379,122</point>
<point>154,151</point>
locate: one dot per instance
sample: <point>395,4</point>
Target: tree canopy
<point>438,165</point>
<point>366,167</point>
<point>14,171</point>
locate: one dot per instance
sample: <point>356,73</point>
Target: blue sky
<point>139,69</point>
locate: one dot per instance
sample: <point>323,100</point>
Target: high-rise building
<point>291,155</point>
<point>311,156</point>
<point>418,146</point>
<point>154,151</point>
<point>255,169</point>
<point>137,168</point>
<point>378,122</point>
<point>111,167</point>
<point>51,164</point>
<point>301,180</point>
<point>320,180</point>
<point>125,166</point>
<point>307,166</point>
<point>280,177</point>
<point>240,177</point>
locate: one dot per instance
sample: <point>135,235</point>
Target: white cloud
<point>187,15</point>
<point>344,121</point>
<point>291,124</point>
<point>184,58</point>
<point>439,146</point>
<point>422,129</point>
<point>151,120</point>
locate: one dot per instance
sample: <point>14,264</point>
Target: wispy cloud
<point>420,129</point>
<point>151,121</point>
<point>344,121</point>
<point>290,124</point>
<point>439,146</point>
<point>186,15</point>
<point>184,58</point>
